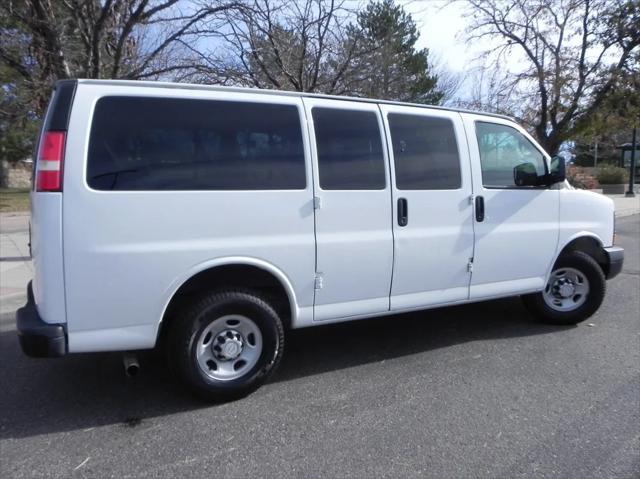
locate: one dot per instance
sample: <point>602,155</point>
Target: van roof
<point>193,86</point>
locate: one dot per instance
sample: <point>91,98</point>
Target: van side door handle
<point>479,209</point>
<point>403,212</point>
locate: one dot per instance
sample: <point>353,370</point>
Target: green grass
<point>14,199</point>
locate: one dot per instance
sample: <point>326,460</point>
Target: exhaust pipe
<point>131,365</point>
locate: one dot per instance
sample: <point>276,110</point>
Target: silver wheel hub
<point>229,347</point>
<point>566,290</point>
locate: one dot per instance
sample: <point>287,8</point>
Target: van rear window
<point>140,143</point>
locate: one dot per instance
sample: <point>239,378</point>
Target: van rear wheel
<point>226,344</point>
<point>574,291</point>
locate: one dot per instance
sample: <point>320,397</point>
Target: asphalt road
<point>473,391</point>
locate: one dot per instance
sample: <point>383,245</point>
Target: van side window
<point>425,152</point>
<point>502,148</point>
<point>183,144</point>
<point>349,149</point>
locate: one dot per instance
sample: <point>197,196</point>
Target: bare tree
<point>300,46</point>
<point>569,56</point>
<point>98,38</point>
<point>489,89</point>
<point>449,81</point>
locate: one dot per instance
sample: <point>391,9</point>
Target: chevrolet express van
<point>208,221</point>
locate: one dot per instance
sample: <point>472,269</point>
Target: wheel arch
<point>588,243</point>
<point>233,272</point>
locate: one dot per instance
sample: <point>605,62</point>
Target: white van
<point>209,220</point>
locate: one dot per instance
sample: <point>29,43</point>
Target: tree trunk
<point>551,143</point>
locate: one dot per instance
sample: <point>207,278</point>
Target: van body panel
<point>126,338</point>
<point>518,239</point>
<point>354,239</point>
<point>516,242</point>
<point>46,251</point>
<point>496,289</point>
<point>581,214</point>
<point>125,249</point>
<point>433,250</point>
<point>433,298</point>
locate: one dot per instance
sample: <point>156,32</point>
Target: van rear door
<point>46,206</point>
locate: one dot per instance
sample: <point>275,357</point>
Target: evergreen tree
<point>389,65</point>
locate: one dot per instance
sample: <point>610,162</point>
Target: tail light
<point>50,161</point>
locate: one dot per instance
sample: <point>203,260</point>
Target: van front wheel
<point>226,344</point>
<point>574,291</point>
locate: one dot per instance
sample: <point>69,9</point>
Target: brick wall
<point>583,177</point>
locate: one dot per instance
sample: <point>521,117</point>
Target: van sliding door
<point>353,209</point>
<point>432,226</point>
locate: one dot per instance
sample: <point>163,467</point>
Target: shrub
<point>611,175</point>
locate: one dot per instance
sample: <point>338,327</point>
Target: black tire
<point>584,263</point>
<point>187,326</point>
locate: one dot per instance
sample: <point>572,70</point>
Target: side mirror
<point>558,171</point>
<point>525,174</point>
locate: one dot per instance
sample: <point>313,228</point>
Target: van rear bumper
<point>37,338</point>
<point>616,260</point>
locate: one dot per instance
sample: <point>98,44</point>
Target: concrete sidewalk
<point>626,206</point>
<point>16,268</point>
<point>14,222</point>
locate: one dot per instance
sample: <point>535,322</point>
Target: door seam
<point>391,199</point>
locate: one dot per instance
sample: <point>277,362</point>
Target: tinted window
<point>173,144</point>
<point>349,149</point>
<point>502,148</point>
<point>425,153</point>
